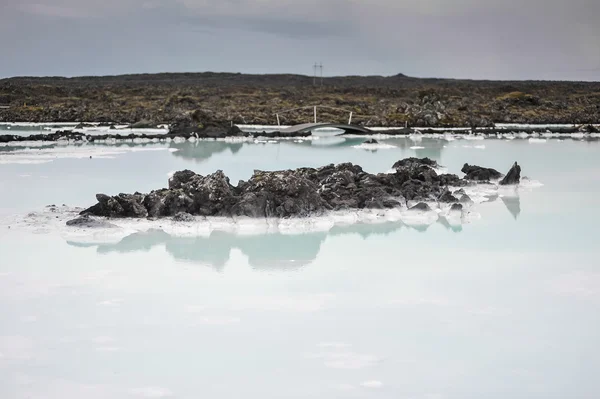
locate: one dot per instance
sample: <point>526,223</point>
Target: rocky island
<point>301,192</point>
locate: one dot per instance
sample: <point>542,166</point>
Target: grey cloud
<point>297,28</point>
<point>54,11</point>
<point>511,39</point>
<point>310,19</point>
<point>281,27</point>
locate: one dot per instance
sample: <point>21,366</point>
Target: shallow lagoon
<point>505,306</point>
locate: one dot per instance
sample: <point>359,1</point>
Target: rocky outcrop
<point>415,162</point>
<point>87,222</point>
<point>447,197</point>
<point>420,207</point>
<point>212,131</point>
<point>204,125</point>
<point>58,136</point>
<point>122,205</point>
<point>287,193</point>
<point>184,217</point>
<point>513,176</point>
<point>478,173</point>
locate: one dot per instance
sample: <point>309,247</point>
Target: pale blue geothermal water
<point>505,306</point>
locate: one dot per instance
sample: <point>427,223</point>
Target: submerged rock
<point>513,176</point>
<point>478,173</point>
<point>301,192</point>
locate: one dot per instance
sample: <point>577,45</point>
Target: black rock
<point>421,206</point>
<point>184,217</point>
<point>85,221</point>
<point>122,205</point>
<point>287,193</point>
<point>478,173</point>
<point>415,162</point>
<point>180,178</point>
<point>371,141</point>
<point>513,176</point>
<point>451,180</point>
<point>447,197</point>
<point>132,205</point>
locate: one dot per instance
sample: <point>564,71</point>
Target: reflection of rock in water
<point>402,143</point>
<point>281,252</point>
<point>200,151</point>
<point>265,252</point>
<point>433,147</point>
<point>366,230</point>
<point>327,142</point>
<point>513,204</point>
<point>511,200</point>
<point>457,228</point>
<point>16,147</point>
<point>421,228</point>
<point>492,197</point>
<point>270,251</point>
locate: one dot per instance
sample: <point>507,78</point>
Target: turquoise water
<point>505,306</point>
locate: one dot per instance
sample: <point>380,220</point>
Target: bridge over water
<point>306,128</point>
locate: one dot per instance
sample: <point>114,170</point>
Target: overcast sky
<point>491,39</point>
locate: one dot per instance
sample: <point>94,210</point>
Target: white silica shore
<point>53,221</point>
<point>446,135</point>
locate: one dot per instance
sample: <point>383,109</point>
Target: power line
<point>317,66</point>
<point>321,66</point>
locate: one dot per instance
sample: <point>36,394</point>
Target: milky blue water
<point>505,306</point>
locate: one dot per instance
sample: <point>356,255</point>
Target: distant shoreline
<point>226,98</point>
<point>142,136</point>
